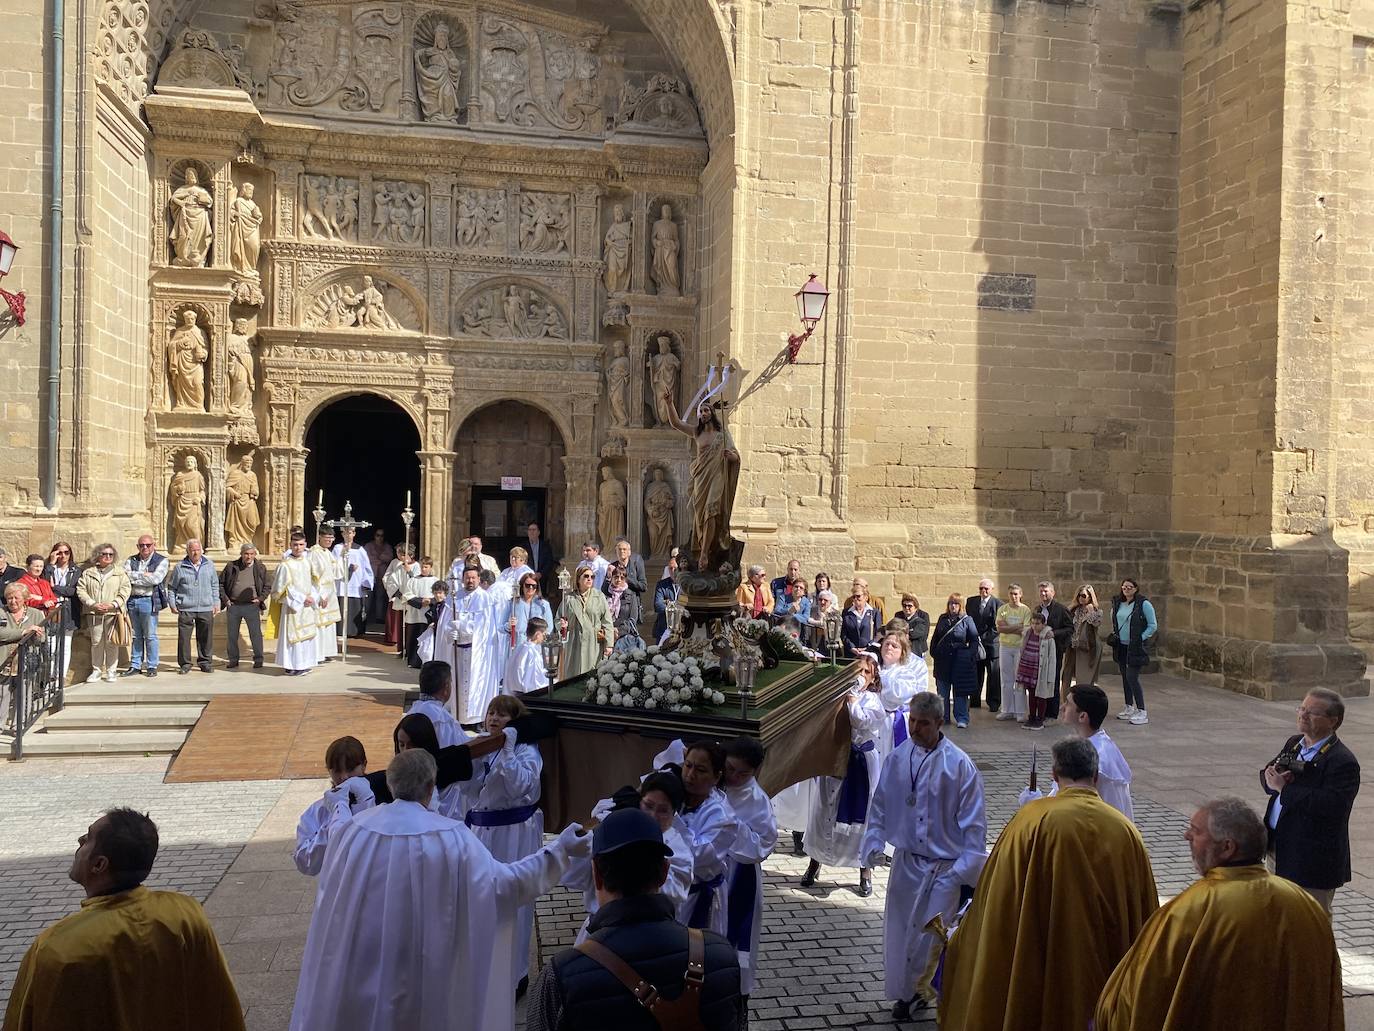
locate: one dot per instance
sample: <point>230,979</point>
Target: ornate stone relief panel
<point>481,223</point>
<point>511,311</point>
<point>398,212</point>
<point>329,207</point>
<point>366,302</point>
<point>534,77</point>
<point>545,223</point>
<point>663,105</point>
<point>198,62</point>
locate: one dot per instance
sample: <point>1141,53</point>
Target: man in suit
<point>542,559</point>
<point>1312,786</point>
<point>1059,621</point>
<point>982,609</point>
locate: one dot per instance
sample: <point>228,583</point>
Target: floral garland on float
<point>651,678</point>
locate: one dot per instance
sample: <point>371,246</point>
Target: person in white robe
<point>416,597</point>
<point>402,569</point>
<point>792,805</point>
<point>436,687</point>
<point>356,585</point>
<point>525,669</point>
<point>503,811</point>
<point>711,828</point>
<point>661,795</point>
<point>839,811</point>
<point>328,572</point>
<point>467,622</point>
<point>929,806</point>
<point>414,921</point>
<point>349,793</point>
<point>294,610</point>
<point>903,676</point>
<point>508,580</point>
<point>1084,708</point>
<point>416,730</point>
<point>754,841</point>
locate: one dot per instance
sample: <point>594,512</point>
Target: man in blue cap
<point>639,968</point>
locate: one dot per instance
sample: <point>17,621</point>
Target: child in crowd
<point>525,670</point>
<point>348,793</point>
<point>417,596</point>
<point>1037,670</point>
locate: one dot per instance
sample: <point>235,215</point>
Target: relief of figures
<point>245,231</point>
<point>340,307</point>
<point>330,208</point>
<point>242,382</point>
<point>398,212</point>
<point>544,222</point>
<point>617,252</point>
<point>438,73</point>
<point>481,218</point>
<point>241,515</point>
<point>667,277</point>
<point>186,500</point>
<point>191,230</point>
<point>513,313</point>
<point>188,348</point>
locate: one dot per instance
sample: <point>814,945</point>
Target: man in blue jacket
<point>193,594</point>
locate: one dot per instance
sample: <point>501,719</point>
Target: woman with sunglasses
<point>62,573</point>
<point>527,603</point>
<point>1083,657</point>
<point>585,619</point>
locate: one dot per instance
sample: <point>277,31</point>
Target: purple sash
<point>854,790</point>
<point>739,906</point>
<point>899,733</point>
<point>704,891</point>
<point>499,817</point>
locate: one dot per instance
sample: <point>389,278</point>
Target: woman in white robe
<point>839,814</point>
<point>504,811</point>
<point>349,793</point>
<point>754,841</point>
<point>711,829</point>
<point>902,676</point>
<point>416,730</point>
<point>507,582</point>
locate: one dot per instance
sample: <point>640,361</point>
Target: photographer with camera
<point>1312,784</point>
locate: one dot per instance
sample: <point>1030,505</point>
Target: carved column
<point>639,250</point>
<point>287,186</point>
<point>409,111</point>
<point>436,472</point>
<point>219,220</point>
<point>214,518</point>
<point>440,211</point>
<point>637,364</point>
<point>276,489</point>
<point>579,515</point>
<point>634,504</point>
<point>364,227</point>
<point>296,506</point>
<point>513,218</point>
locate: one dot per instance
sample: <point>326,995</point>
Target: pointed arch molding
<point>132,39</point>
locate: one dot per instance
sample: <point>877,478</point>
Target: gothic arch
<point>315,403</point>
<point>562,420</point>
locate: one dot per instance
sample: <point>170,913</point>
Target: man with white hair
<point>753,597</point>
<point>929,805</point>
<point>381,954</point>
<point>982,609</point>
<point>1239,948</point>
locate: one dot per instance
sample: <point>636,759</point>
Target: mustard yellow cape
<point>1240,948</point>
<point>1062,897</point>
<point>137,961</point>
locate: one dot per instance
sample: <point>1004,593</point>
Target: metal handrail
<point>36,680</point>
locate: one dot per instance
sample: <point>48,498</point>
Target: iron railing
<point>35,679</point>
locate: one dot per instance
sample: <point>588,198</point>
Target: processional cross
<point>344,522</point>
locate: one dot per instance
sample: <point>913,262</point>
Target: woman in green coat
<point>586,621</point>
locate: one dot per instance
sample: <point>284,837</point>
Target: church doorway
<point>508,472</point>
<point>362,449</point>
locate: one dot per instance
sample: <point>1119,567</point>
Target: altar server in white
<point>467,623</point>
<point>414,922</point>
<point>1084,708</point>
<point>839,809</point>
<point>525,669</point>
<point>710,831</point>
<point>903,676</point>
<point>754,841</point>
<point>929,806</point>
<point>328,572</point>
<point>349,793</point>
<point>293,609</point>
<point>357,584</point>
<point>504,811</point>
<point>436,687</point>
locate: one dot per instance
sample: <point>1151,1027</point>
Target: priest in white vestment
<point>414,919</point>
<point>327,569</point>
<point>468,622</point>
<point>929,806</point>
<point>1084,708</point>
<point>295,605</point>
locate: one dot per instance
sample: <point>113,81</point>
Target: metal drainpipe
<point>55,109</point>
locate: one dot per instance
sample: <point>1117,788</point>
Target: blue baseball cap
<point>627,827</point>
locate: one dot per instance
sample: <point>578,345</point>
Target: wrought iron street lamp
<point>15,302</point>
<point>811,300</point>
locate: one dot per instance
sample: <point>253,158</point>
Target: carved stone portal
<point>513,312</point>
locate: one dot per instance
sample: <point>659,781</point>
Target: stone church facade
<point>1098,274</point>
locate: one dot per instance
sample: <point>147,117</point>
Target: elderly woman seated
<point>18,623</point>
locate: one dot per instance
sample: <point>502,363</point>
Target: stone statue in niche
<point>241,490</point>
<point>438,75</point>
<point>481,217</point>
<point>618,387</point>
<point>242,382</point>
<point>664,368</point>
<point>188,348</point>
<point>544,222</point>
<point>610,508</point>
<point>617,252</point>
<point>186,499</point>
<point>659,506</point>
<point>245,231</point>
<point>666,275</point>
<point>191,230</point>
<point>398,212</point>
<point>330,209</point>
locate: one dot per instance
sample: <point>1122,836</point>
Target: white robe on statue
<point>838,844</point>
<point>467,626</point>
<point>710,832</point>
<point>413,926</point>
<point>939,830</point>
<point>502,783</point>
<point>292,586</point>
<point>326,818</point>
<point>754,841</point>
<point>525,670</point>
<point>900,684</point>
<point>1113,778</point>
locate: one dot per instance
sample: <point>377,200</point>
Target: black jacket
<point>1311,843</point>
<point>260,585</point>
<point>1061,622</point>
<point>543,563</point>
<point>575,993</point>
<point>984,616</point>
<point>71,616</point>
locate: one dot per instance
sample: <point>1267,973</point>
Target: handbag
<point>122,633</point>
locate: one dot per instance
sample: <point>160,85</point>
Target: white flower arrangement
<point>648,678</point>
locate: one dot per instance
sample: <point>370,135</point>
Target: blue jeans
<point>143,652</point>
<point>960,701</point>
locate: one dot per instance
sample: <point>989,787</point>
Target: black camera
<point>1288,761</point>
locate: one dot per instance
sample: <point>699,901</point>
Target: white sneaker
<point>1139,719</point>
<point>1002,717</point>
<point>109,676</point>
<point>1127,713</point>
<point>95,677</point>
